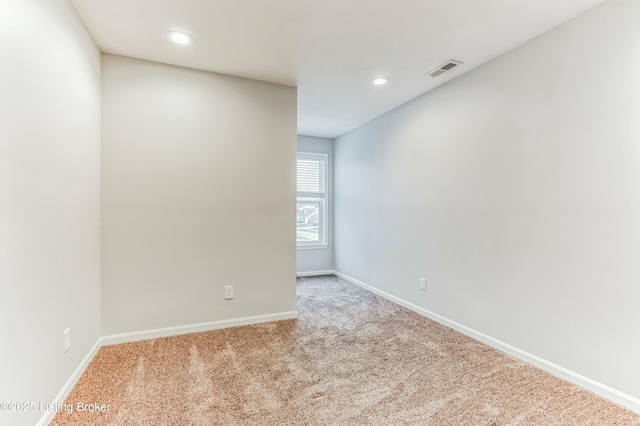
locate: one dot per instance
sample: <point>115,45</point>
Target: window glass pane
<point>308,218</point>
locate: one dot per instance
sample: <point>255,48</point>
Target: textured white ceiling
<point>329,49</point>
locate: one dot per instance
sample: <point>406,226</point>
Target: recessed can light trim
<point>380,81</point>
<point>178,37</point>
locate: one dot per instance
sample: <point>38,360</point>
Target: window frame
<point>322,198</point>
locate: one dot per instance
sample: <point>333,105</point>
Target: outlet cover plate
<point>228,292</point>
<point>423,284</point>
<point>67,339</point>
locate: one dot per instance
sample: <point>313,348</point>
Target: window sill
<point>314,247</point>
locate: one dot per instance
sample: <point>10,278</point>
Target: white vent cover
<point>449,65</point>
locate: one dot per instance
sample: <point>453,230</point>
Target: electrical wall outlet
<point>423,284</point>
<point>228,292</point>
<point>67,339</point>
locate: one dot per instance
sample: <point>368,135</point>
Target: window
<point>311,214</point>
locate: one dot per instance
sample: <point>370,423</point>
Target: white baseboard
<point>561,372</point>
<point>66,389</point>
<point>194,328</point>
<point>154,334</point>
<point>315,273</point>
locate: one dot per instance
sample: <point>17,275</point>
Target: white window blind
<point>311,175</point>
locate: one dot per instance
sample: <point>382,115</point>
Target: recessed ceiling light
<point>179,37</point>
<point>380,81</point>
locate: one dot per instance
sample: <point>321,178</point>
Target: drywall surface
<point>515,190</point>
<point>312,260</point>
<point>198,193</point>
<point>49,200</point>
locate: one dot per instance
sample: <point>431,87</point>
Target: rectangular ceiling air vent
<point>449,65</point>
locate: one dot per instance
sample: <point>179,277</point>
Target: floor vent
<point>449,65</point>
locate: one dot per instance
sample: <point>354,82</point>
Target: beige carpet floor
<point>351,358</point>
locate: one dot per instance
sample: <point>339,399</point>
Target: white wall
<point>313,260</point>
<point>49,199</point>
<point>515,190</point>
<point>198,192</point>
